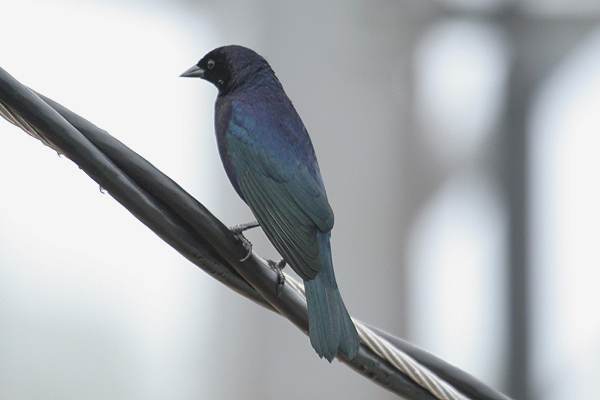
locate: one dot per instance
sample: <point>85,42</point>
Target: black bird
<point>271,163</point>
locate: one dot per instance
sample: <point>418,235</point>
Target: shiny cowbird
<point>271,163</point>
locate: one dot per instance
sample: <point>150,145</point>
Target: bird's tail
<point>329,324</point>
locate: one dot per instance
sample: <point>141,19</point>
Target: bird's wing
<point>286,200</point>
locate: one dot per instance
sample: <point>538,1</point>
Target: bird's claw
<point>247,245</point>
<point>278,267</point>
<point>238,230</point>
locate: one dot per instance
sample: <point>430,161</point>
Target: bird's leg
<point>239,231</point>
<point>278,267</point>
<point>244,227</point>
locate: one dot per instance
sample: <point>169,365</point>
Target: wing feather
<point>287,202</point>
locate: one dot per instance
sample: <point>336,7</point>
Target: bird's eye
<point>210,64</point>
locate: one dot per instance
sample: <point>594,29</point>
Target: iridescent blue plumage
<point>271,163</point>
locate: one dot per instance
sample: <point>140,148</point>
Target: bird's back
<point>264,117</point>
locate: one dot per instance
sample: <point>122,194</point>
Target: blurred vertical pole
<point>513,175</point>
<point>539,42</point>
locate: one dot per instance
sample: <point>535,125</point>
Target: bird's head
<point>228,67</point>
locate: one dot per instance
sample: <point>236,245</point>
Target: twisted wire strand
<point>402,361</point>
<point>19,122</point>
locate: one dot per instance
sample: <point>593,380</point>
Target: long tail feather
<point>330,327</point>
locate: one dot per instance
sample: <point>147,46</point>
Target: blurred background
<point>458,142</point>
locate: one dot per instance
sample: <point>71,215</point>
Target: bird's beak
<point>194,72</point>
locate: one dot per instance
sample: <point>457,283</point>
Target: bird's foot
<point>239,231</point>
<point>278,267</point>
